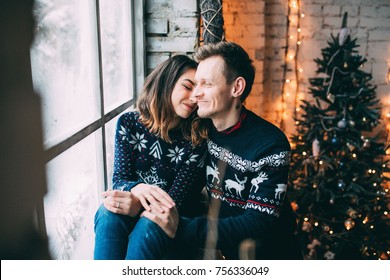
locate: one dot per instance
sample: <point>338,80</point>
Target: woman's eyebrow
<point>189,80</point>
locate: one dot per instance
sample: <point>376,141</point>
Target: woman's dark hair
<point>155,105</point>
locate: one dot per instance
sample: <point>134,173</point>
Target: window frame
<point>138,75</point>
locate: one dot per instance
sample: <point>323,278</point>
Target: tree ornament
<point>341,185</point>
<point>349,223</point>
<point>294,206</point>
<point>366,143</point>
<point>329,255</point>
<point>350,147</point>
<point>345,65</point>
<point>342,123</point>
<point>344,30</point>
<point>325,228</point>
<point>316,147</point>
<point>335,140</point>
<point>330,97</point>
<point>352,213</point>
<point>306,226</point>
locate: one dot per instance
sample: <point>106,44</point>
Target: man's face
<point>213,95</point>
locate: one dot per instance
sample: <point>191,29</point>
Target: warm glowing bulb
<point>291,37</point>
<point>388,75</point>
<point>294,4</point>
<point>288,80</point>
<point>302,15</point>
<point>300,29</point>
<point>331,232</point>
<point>353,155</point>
<point>371,227</point>
<point>306,219</point>
<point>304,153</point>
<point>321,162</point>
<point>299,42</point>
<point>316,224</point>
<point>300,70</point>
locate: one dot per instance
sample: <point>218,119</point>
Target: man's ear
<point>238,87</point>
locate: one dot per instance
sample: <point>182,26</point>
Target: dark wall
<point>22,173</point>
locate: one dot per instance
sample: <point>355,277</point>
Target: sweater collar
<point>236,126</point>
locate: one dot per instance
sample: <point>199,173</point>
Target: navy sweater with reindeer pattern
<point>247,173</point>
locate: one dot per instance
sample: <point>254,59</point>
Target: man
<point>247,169</point>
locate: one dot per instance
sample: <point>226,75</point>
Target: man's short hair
<point>237,62</point>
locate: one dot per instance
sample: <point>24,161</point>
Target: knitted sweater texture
<point>247,173</point>
<point>142,157</point>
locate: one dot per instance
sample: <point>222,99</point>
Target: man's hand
<point>168,220</point>
<point>150,195</point>
<point>121,202</point>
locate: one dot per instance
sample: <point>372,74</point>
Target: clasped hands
<point>159,206</point>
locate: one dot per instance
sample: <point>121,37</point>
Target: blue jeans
<point>117,236</point>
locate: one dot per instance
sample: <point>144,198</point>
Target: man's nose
<point>195,94</point>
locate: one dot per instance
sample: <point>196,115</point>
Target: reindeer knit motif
<point>142,157</point>
<point>254,162</point>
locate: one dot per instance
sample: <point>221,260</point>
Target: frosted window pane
<point>110,149</point>
<point>73,199</point>
<point>64,62</point>
<point>116,52</point>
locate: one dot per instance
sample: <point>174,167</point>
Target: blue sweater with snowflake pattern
<point>142,157</point>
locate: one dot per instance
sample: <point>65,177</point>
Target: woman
<point>159,161</point>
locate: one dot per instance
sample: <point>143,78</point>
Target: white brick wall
<point>171,28</point>
<point>260,27</point>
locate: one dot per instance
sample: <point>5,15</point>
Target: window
<point>87,65</point>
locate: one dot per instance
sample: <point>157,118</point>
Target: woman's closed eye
<point>188,86</point>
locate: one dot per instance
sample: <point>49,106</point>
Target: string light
<point>388,75</point>
<point>291,71</point>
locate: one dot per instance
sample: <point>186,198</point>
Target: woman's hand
<point>122,202</point>
<point>167,220</point>
<point>150,195</point>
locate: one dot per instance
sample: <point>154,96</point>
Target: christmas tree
<point>339,187</point>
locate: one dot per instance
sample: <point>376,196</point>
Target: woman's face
<point>181,93</point>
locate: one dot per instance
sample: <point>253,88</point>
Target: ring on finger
<point>118,204</point>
